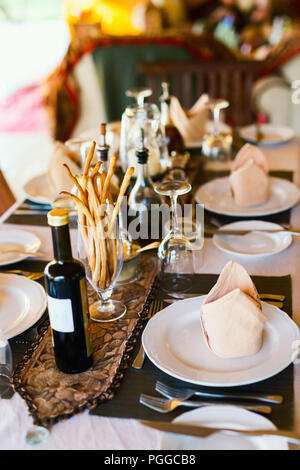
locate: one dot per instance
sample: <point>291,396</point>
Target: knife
<point>274,297</point>
<point>199,431</point>
<point>245,232</point>
<point>275,303</point>
<point>31,212</point>
<point>34,207</point>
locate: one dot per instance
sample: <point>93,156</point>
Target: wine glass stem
<point>216,113</point>
<point>175,227</point>
<point>140,99</point>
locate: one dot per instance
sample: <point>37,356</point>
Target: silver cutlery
<point>33,206</point>
<point>296,233</point>
<point>186,393</point>
<point>29,275</point>
<point>199,431</point>
<point>273,297</point>
<point>163,405</point>
<point>276,303</point>
<point>155,307</point>
<point>30,212</point>
<point>22,252</point>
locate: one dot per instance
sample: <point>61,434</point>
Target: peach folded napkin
<point>231,315</point>
<point>57,174</point>
<point>190,123</point>
<point>249,178</point>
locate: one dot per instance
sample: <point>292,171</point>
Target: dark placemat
<point>51,395</point>
<point>198,176</point>
<point>126,401</point>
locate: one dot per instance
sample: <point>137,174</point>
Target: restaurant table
<point>89,432</point>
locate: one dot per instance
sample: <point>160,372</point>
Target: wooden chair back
<point>231,80</point>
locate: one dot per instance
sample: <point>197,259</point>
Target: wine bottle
<point>143,203</point>
<point>67,300</point>
<point>174,139</point>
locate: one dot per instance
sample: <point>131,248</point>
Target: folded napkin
<point>57,175</point>
<point>231,315</point>
<point>249,179</point>
<point>191,124</point>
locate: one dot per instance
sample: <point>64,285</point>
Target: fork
<point>186,393</point>
<point>155,307</point>
<point>163,405</point>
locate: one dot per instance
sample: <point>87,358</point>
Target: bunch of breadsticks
<point>97,214</point>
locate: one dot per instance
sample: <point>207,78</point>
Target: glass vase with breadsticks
<point>100,245</point>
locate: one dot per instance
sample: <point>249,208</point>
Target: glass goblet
<point>216,144</point>
<point>102,257</point>
<point>139,94</point>
<point>175,250</point>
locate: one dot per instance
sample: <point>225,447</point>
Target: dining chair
<point>230,80</point>
<point>7,198</point>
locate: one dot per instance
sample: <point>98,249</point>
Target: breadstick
<point>123,189</point>
<point>76,183</point>
<point>85,210</point>
<point>94,202</point>
<point>89,158</point>
<point>111,169</point>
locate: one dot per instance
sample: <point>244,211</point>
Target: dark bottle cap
<point>142,153</point>
<point>103,148</point>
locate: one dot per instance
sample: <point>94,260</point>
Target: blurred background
<point>66,64</point>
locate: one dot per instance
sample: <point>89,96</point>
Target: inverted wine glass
<point>217,143</point>
<point>139,94</point>
<point>103,260</point>
<point>175,251</point>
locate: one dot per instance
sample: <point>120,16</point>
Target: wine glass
<point>174,251</point>
<point>6,365</point>
<point>217,144</point>
<point>102,257</point>
<point>139,94</point>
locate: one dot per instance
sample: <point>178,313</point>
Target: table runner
<point>126,402</point>
<point>51,395</point>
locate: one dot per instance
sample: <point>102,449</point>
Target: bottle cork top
<point>58,217</point>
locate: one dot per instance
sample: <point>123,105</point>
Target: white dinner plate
<point>255,244</point>
<point>38,190</point>
<point>17,240</point>
<point>22,303</point>
<point>272,134</point>
<point>209,129</point>
<point>224,417</point>
<point>216,197</point>
<point>173,340</point>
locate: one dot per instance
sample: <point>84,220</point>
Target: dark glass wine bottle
<point>174,139</point>
<point>144,203</point>
<point>67,300</point>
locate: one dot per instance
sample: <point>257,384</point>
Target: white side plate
<point>17,240</point>
<point>223,417</point>
<point>272,134</point>
<point>38,190</point>
<point>22,303</point>
<point>254,244</point>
